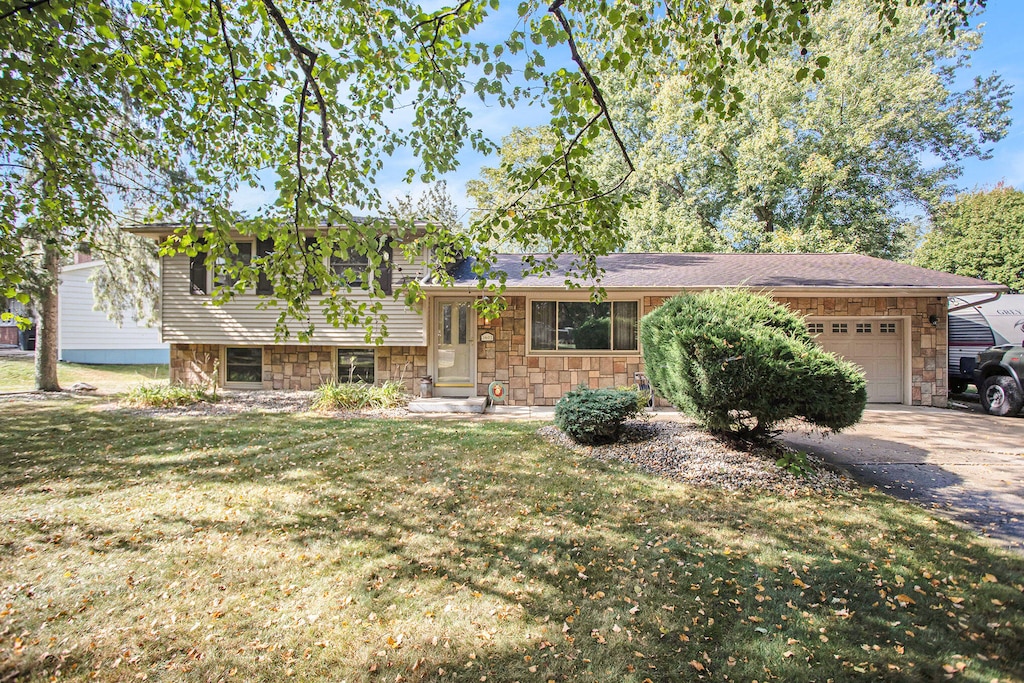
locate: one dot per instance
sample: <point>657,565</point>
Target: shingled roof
<point>757,271</point>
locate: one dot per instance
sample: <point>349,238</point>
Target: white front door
<point>454,348</point>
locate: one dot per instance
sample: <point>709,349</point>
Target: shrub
<point>642,396</point>
<point>168,395</point>
<point>740,362</point>
<point>594,416</point>
<point>333,395</point>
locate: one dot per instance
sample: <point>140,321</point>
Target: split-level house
<point>888,317</point>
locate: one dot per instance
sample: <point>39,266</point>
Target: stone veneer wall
<point>298,368</point>
<point>194,363</point>
<point>402,363</point>
<point>542,379</point>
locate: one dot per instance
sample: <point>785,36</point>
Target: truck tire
<point>1000,395</point>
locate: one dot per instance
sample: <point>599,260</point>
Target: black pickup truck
<point>997,373</point>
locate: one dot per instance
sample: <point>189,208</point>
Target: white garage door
<point>876,345</point>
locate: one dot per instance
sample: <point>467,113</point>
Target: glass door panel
<point>453,345</point>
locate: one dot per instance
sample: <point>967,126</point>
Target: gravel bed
<point>683,452</point>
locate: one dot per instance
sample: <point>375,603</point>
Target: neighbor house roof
<point>801,272</point>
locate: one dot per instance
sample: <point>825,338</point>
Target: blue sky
<point>1001,52</point>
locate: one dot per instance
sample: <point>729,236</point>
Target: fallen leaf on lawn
<point>787,654</point>
<point>988,578</point>
<point>905,600</point>
<point>696,665</point>
<point>800,584</point>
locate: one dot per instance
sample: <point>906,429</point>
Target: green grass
<point>18,374</point>
<point>295,546</point>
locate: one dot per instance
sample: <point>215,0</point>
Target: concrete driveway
<point>966,464</point>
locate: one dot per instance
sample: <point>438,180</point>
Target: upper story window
<point>205,276</point>
<point>221,276</point>
<point>584,326</point>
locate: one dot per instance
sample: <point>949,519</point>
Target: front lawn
<point>294,546</point>
<point>18,374</point>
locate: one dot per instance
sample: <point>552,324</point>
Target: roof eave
<point>885,290</point>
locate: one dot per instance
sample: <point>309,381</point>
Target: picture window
<point>584,326</point>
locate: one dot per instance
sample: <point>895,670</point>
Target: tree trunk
<point>46,331</point>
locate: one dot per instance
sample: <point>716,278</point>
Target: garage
<point>875,344</point>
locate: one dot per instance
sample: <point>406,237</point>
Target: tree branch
<point>556,9</point>
<point>564,157</point>
<point>306,59</point>
<point>231,58</point>
<point>28,7</point>
<point>438,19</point>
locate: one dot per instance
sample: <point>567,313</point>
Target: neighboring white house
<point>86,335</point>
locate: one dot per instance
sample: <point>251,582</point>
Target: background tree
<point>129,280</point>
<point>805,165</point>
<point>317,96</point>
<point>979,234</point>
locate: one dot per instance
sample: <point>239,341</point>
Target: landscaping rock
<point>685,453</point>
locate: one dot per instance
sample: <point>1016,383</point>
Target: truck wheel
<point>957,386</point>
<point>1000,395</point>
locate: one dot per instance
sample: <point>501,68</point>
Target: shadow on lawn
<point>566,547</point>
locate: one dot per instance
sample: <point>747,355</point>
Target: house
<point>87,335</point>
<point>888,317</point>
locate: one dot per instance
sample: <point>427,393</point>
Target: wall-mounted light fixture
<point>933,319</point>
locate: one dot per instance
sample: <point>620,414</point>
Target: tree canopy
<point>806,164</point>
<point>174,106</point>
<point>979,234</point>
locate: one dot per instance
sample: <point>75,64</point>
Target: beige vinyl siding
<point>190,319</point>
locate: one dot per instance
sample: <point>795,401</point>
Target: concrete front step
<point>475,404</point>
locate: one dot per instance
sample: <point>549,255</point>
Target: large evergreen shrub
<point>594,416</point>
<point>740,362</point>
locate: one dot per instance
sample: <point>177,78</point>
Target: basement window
<point>356,365</point>
<point>243,366</point>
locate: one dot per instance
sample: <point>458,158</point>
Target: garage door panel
<point>876,349</point>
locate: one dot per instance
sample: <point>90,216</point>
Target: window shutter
<point>386,266</point>
<point>264,248</point>
<point>197,274</point>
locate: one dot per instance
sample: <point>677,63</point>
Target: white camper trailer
<point>975,324</point>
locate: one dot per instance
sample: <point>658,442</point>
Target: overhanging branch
<point>307,59</point>
<point>556,9</point>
